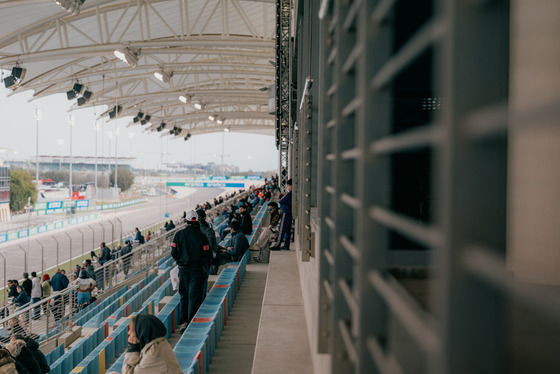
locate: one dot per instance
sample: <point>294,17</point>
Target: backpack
<point>141,240</point>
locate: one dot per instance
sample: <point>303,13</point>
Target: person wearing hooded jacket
<point>7,363</point>
<point>25,362</point>
<point>33,346</point>
<point>148,350</point>
<point>210,234</point>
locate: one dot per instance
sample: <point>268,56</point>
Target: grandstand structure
<point>79,163</point>
<point>422,139</point>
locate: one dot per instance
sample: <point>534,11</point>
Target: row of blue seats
<point>76,354</point>
<point>197,345</point>
<point>217,306</point>
<point>105,353</point>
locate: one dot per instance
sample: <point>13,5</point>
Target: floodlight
<point>226,129</point>
<point>71,94</point>
<point>211,117</point>
<point>78,88</point>
<point>10,81</point>
<point>117,109</point>
<point>198,106</point>
<point>81,101</point>
<point>128,56</point>
<point>163,76</point>
<point>71,6</point>
<point>88,95</point>
<point>18,72</point>
<point>185,99</point>
<point>186,138</point>
<point>219,120</point>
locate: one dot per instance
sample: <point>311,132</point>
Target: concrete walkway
<point>282,344</point>
<point>236,348</point>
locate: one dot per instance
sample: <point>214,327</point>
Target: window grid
<point>360,299</point>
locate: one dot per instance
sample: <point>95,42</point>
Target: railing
<point>56,313</point>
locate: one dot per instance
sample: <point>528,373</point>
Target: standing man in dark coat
<point>286,223</point>
<point>191,251</point>
<point>27,284</point>
<point>59,282</point>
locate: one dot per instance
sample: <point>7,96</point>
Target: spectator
<point>148,236</point>
<point>19,351</point>
<point>170,225</point>
<point>7,363</point>
<point>33,346</point>
<point>58,282</point>
<point>210,234</point>
<point>22,297</point>
<point>191,251</point>
<point>246,221</point>
<point>94,260</point>
<point>46,291</point>
<point>27,284</point>
<point>12,289</point>
<point>286,223</point>
<point>126,257</point>
<point>16,328</point>
<point>138,234</point>
<point>148,351</point>
<point>35,293</point>
<point>105,254</point>
<point>235,247</point>
<point>85,286</point>
<point>88,266</point>
<point>268,234</point>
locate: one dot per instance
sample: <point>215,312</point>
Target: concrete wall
<point>309,279</point>
<point>534,142</point>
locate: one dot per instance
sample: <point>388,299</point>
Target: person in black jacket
<point>23,356</point>
<point>235,247</point>
<point>211,236</point>
<point>27,284</point>
<point>191,251</point>
<point>33,346</point>
<point>246,220</point>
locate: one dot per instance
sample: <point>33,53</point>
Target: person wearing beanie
<point>148,350</point>
<point>191,251</point>
<point>235,247</point>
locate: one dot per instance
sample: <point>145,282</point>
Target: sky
<point>18,140</point>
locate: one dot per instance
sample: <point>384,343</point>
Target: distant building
<point>79,163</point>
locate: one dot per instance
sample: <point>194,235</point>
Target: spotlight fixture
<point>71,6</point>
<point>219,120</point>
<point>138,117</point>
<point>85,97</point>
<point>226,129</point>
<point>12,81</point>
<point>212,117</point>
<point>186,137</point>
<point>159,129</point>
<point>146,119</point>
<point>117,109</point>
<point>71,94</point>
<point>189,136</point>
<point>185,98</point>
<point>163,76</point>
<point>127,55</point>
<point>198,106</point>
<point>78,88</point>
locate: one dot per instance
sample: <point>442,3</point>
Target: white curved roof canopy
<point>217,53</point>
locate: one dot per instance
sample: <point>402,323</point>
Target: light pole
<point>116,163</point>
<point>96,128</point>
<point>37,118</point>
<point>71,122</point>
<point>60,142</point>
<point>249,162</point>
